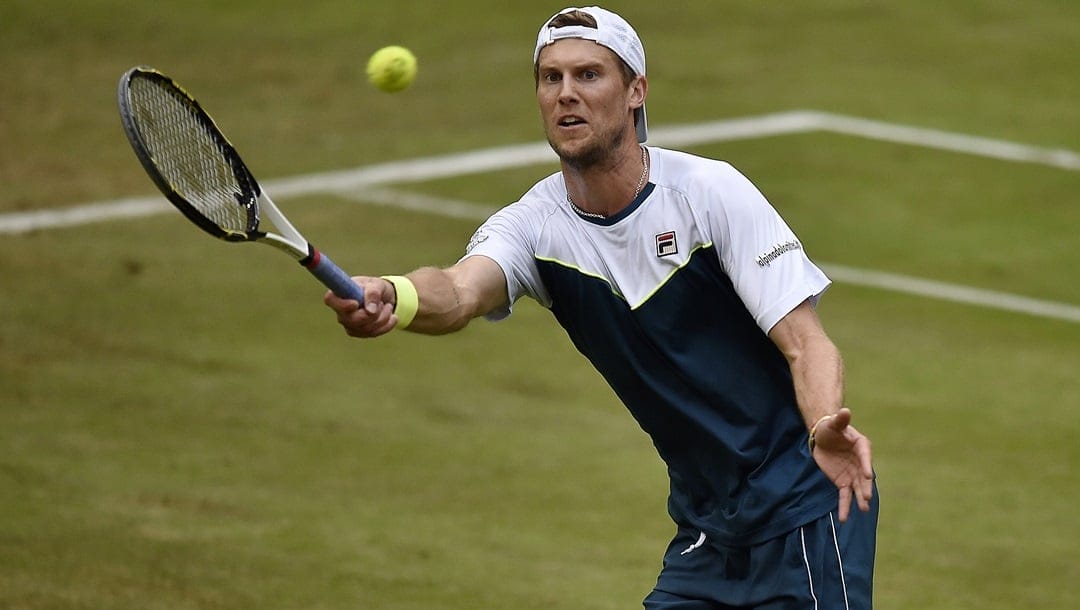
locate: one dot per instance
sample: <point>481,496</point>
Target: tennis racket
<point>190,160</point>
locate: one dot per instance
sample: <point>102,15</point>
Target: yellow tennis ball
<point>392,68</point>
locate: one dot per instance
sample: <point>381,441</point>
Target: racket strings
<point>192,156</point>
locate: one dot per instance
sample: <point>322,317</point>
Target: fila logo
<point>666,244</point>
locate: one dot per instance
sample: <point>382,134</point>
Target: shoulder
<point>701,180</point>
<point>682,168</point>
<point>708,185</point>
<point>520,221</point>
<point>540,201</point>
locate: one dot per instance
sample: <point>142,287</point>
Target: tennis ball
<point>392,68</point>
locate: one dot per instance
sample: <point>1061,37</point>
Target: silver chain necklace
<point>637,191</point>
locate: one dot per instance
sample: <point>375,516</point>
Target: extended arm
<point>448,299</point>
<point>841,451</point>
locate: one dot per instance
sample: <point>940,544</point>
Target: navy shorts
<point>823,565</point>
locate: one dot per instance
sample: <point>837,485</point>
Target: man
<point>675,277</point>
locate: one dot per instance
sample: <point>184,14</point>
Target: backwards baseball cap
<point>613,32</point>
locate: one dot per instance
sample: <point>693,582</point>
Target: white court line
<point>943,140</point>
<point>358,184</point>
<point>505,157</point>
<point>894,282</point>
<point>25,222</point>
<point>952,292</point>
<point>454,208</point>
<point>414,170</point>
<point>419,202</point>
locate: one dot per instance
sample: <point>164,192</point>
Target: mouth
<point>571,121</point>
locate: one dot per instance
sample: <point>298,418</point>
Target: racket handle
<point>332,276</point>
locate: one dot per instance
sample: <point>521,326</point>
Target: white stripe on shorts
<point>839,561</point>
<point>806,560</point>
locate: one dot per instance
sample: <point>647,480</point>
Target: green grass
<point>183,425</point>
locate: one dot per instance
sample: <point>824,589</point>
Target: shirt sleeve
<point>764,259</point>
<point>508,237</point>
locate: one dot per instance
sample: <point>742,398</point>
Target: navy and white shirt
<point>671,300</point>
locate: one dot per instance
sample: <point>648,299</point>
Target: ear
<point>639,90</point>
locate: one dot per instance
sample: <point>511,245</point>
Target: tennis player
<point>682,285</point>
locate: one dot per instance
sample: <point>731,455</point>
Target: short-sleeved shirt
<point>671,300</point>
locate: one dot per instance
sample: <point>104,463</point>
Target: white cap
<point>613,32</point>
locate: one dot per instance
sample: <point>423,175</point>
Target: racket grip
<point>332,276</point>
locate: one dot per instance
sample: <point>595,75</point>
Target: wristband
<point>408,302</point>
<point>811,440</point>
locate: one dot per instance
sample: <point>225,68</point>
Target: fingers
<point>375,317</point>
<point>864,482</point>
<point>845,504</point>
<point>841,420</point>
<point>847,458</point>
<point>864,493</point>
<point>338,304</point>
<point>864,454</point>
<point>861,491</point>
<point>372,320</point>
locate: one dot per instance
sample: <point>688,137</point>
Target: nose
<point>567,92</point>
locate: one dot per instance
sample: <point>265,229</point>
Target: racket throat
<point>313,258</point>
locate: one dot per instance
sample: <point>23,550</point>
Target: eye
<point>551,77</point>
<point>590,75</point>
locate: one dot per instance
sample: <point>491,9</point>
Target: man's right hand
<point>372,318</point>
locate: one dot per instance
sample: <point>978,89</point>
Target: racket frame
<point>288,240</point>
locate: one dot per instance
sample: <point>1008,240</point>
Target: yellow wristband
<point>408,302</point>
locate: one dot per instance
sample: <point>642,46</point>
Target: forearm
<point>444,306</point>
<point>429,300</point>
<point>817,372</point>
<point>448,299</point>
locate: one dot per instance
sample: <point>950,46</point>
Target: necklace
<point>637,191</point>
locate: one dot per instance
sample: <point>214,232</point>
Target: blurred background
<point>183,424</point>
